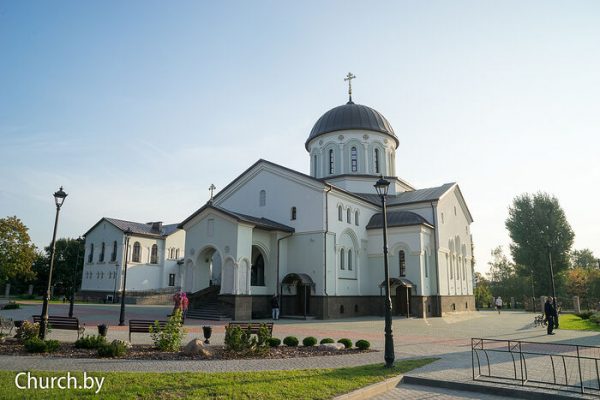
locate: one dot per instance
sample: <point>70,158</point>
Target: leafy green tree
<point>583,258</point>
<point>68,265</point>
<point>483,295</point>
<point>17,253</point>
<point>539,229</point>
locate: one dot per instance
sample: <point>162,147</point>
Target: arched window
<point>402,262</point>
<point>102,248</point>
<point>356,218</point>
<point>348,216</point>
<point>376,161</point>
<point>342,259</point>
<point>257,271</point>
<point>262,198</point>
<point>315,165</point>
<point>91,255</point>
<point>154,254</point>
<point>340,217</point>
<point>349,260</point>
<point>113,256</point>
<point>177,253</point>
<point>135,257</point>
<point>354,159</point>
<point>331,161</point>
<point>293,213</point>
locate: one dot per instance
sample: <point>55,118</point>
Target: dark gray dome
<point>351,116</point>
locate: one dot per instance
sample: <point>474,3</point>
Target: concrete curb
<point>372,390</point>
<point>533,394</point>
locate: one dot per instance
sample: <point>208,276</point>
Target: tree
<point>68,264</point>
<point>16,250</point>
<point>584,259</point>
<point>483,295</point>
<point>539,229</point>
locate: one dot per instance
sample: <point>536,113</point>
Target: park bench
<point>65,323</point>
<point>253,327</point>
<point>143,326</point>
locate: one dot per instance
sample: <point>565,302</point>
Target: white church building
<point>316,240</point>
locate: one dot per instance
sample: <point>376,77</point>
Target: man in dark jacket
<point>275,307</point>
<point>550,313</point>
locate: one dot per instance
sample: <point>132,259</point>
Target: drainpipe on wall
<point>437,265</point>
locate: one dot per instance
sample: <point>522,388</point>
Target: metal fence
<point>544,365</point>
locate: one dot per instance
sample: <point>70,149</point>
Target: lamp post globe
<point>59,199</point>
<point>382,186</point>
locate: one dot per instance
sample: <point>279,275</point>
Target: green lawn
<point>573,322</point>
<point>295,384</point>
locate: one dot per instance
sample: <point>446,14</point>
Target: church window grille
<point>154,255</point>
<point>349,260</point>
<point>102,248</point>
<point>293,213</point>
<point>331,162</point>
<point>113,255</point>
<point>356,218</point>
<point>91,255</point>
<point>137,249</point>
<point>257,271</point>
<point>348,216</point>
<point>171,279</point>
<point>262,198</point>
<point>376,161</point>
<point>354,159</point>
<point>342,259</point>
<point>340,218</point>
<point>402,262</point>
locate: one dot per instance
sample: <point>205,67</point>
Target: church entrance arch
<point>296,290</point>
<point>257,269</point>
<point>207,269</point>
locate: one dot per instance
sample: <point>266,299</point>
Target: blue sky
<point>136,107</point>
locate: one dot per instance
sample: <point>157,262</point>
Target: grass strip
<point>292,384</point>
<point>575,323</point>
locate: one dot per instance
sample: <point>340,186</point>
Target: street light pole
<point>59,198</point>
<point>122,316</point>
<point>553,287</point>
<point>532,292</point>
<point>382,189</point>
<point>74,280</point>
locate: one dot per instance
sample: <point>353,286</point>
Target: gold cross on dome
<point>349,78</point>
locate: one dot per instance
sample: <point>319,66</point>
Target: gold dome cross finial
<point>349,78</point>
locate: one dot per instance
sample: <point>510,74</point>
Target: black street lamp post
<point>532,292</point>
<point>553,286</point>
<point>382,189</point>
<point>74,280</point>
<point>122,316</point>
<point>59,198</point>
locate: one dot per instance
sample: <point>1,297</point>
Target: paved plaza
<point>447,338</point>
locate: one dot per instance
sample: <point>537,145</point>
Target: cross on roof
<point>349,78</point>
<point>212,187</point>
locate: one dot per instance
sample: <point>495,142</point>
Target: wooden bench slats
<point>252,326</point>
<point>143,326</point>
<point>64,323</point>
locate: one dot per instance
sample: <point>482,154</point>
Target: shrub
<point>262,336</point>
<point>290,341</point>
<point>326,340</point>
<point>238,339</point>
<point>37,345</point>
<point>90,342</point>
<point>363,344</point>
<point>309,341</point>
<point>346,342</point>
<point>11,306</point>
<point>117,348</point>
<point>585,314</point>
<point>168,338</point>
<point>27,330</point>
<point>273,342</point>
<point>595,317</point>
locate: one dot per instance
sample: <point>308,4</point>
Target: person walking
<point>550,313</point>
<point>498,304</point>
<point>275,307</point>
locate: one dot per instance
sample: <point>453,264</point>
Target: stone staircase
<point>205,305</point>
